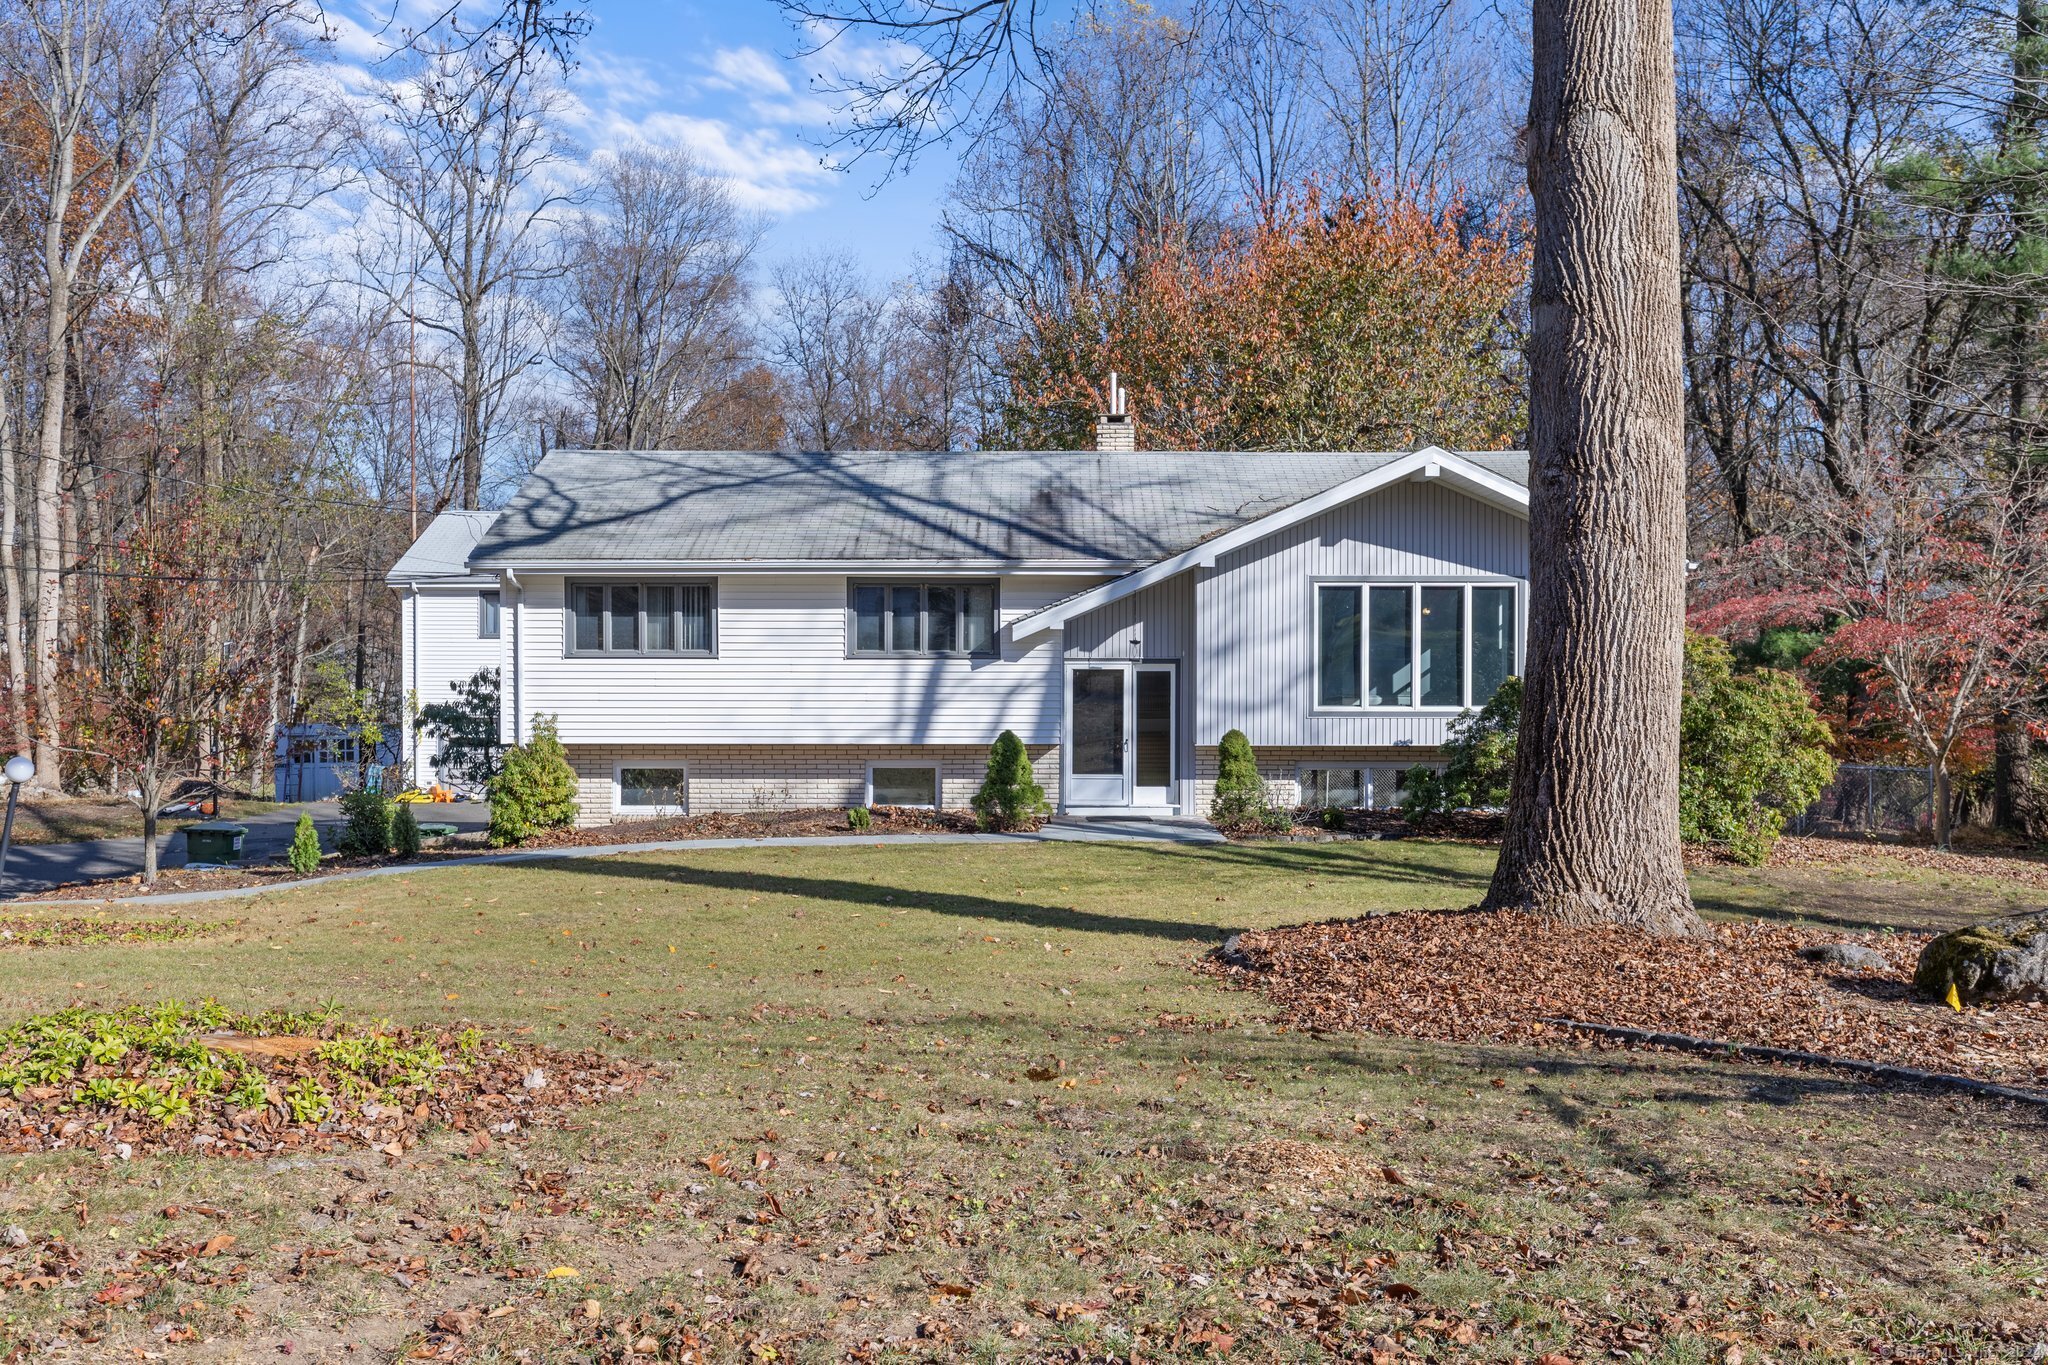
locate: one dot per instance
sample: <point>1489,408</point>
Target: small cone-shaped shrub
<point>304,854</point>
<point>405,832</point>
<point>1240,800</point>
<point>535,789</point>
<point>1010,794</point>
<point>366,823</point>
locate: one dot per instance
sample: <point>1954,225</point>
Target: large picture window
<point>657,618</point>
<point>1411,646</point>
<point>922,618</point>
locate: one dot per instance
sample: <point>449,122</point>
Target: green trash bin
<point>216,841</point>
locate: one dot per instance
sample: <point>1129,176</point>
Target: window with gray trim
<point>660,617</point>
<point>1413,646</point>
<point>487,616</point>
<point>895,617</point>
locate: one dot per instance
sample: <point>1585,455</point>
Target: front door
<point>1120,735</point>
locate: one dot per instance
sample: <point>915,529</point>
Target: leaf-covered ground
<point>48,929</point>
<point>202,1078</point>
<point>972,1102</point>
<point>1472,976</point>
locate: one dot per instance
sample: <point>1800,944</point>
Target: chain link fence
<point>1871,798</point>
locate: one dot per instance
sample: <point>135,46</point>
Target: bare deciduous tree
<point>654,326</point>
<point>1076,175</point>
<point>90,76</point>
<point>466,156</point>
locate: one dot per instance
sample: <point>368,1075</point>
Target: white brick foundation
<point>744,777</point>
<point>1280,767</point>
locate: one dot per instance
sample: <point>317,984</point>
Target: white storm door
<point>1098,735</point>
<point>1153,737</point>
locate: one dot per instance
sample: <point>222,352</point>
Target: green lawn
<point>869,1020</point>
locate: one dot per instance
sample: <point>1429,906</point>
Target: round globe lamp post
<point>19,770</point>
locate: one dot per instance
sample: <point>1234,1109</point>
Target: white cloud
<point>748,69</point>
<point>768,172</point>
<point>738,133</point>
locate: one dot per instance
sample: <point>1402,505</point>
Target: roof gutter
<point>925,567</point>
<point>1431,464</point>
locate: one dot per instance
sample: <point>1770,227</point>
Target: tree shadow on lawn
<point>1326,860</point>
<point>884,896</point>
<point>1842,909</point>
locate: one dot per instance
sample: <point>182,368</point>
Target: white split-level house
<point>732,631</point>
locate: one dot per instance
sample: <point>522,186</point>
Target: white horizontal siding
<point>782,676</point>
<point>1255,666</point>
<point>440,650</point>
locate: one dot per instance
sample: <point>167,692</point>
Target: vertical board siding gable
<point>1255,662</point>
<point>1155,624</point>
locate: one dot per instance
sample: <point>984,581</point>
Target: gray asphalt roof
<point>997,507</point>
<point>443,549</point>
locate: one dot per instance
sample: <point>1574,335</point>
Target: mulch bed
<point>1496,977</point>
<point>492,1087</point>
<point>771,824</point>
<point>821,820</point>
<point>1464,826</point>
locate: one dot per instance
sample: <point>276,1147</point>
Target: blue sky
<point>722,80</point>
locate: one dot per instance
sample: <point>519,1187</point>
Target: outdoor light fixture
<point>19,770</point>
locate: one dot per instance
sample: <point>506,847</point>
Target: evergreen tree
<point>1010,794</point>
<point>535,789</point>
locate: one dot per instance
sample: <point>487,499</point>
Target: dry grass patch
<point>887,1075</point>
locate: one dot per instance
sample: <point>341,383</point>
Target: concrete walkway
<point>1125,831</point>
<point>38,867</point>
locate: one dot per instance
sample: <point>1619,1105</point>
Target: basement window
<point>903,786</point>
<point>649,789</point>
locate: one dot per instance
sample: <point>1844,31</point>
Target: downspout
<point>406,737</point>
<point>518,643</point>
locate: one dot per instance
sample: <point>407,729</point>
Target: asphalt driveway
<point>37,867</point>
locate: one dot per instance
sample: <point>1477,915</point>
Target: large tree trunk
<point>1592,830</point>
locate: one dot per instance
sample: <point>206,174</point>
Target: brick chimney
<point>1113,429</point>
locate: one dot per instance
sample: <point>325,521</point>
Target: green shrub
<point>1752,750</point>
<point>1240,800</point>
<point>857,817</point>
<point>405,832</point>
<point>304,854</point>
<point>1481,759</point>
<point>1010,795</point>
<point>535,788</point>
<point>366,823</point>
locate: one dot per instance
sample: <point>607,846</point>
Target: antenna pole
<point>412,375</point>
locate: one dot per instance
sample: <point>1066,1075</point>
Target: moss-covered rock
<point>1990,963</point>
